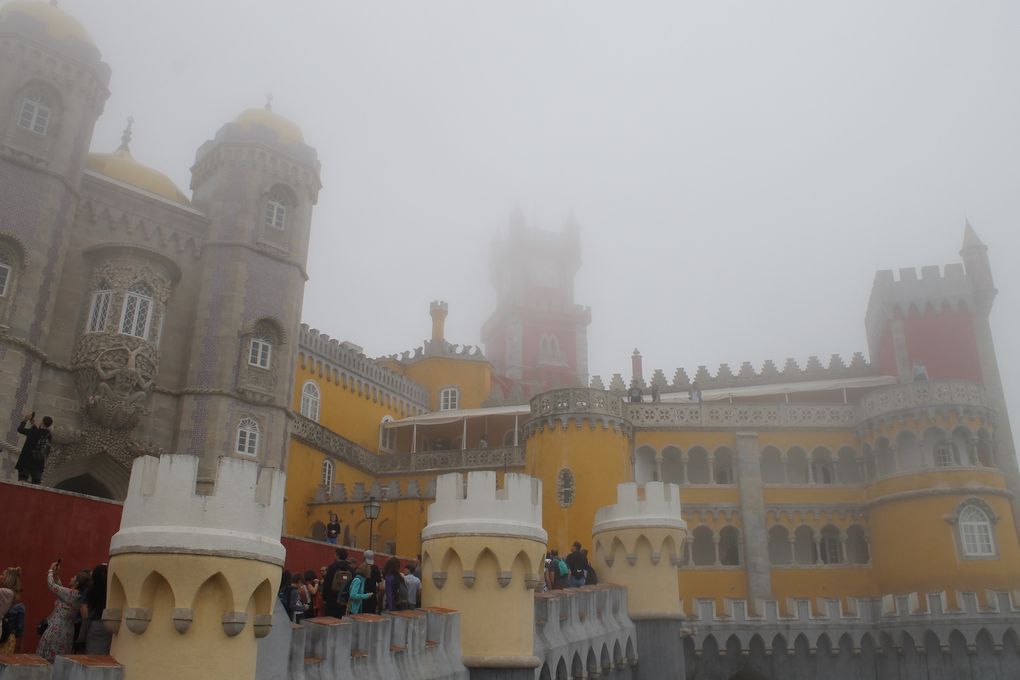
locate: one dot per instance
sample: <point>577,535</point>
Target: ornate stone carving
<point>114,375</point>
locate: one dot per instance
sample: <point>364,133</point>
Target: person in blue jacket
<point>357,592</point>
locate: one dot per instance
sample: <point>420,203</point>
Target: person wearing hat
<point>371,605</point>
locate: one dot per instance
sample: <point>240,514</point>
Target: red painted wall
<point>944,342</point>
<point>40,525</point>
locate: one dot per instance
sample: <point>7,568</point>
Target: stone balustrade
<point>343,449</point>
<point>723,415</point>
<point>894,399</point>
<point>585,630</point>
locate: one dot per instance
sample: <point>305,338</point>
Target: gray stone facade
<point>129,312</point>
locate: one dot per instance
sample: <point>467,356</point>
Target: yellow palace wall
<point>473,377</point>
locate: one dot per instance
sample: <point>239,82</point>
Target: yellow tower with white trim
<point>193,578</point>
<point>483,552</point>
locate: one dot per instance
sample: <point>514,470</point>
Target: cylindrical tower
<point>257,182</point>
<point>193,579</point>
<point>638,543</point>
<point>483,552</point>
<point>577,438</point>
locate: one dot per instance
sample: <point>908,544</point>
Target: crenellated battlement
<point>746,376</point>
<point>243,516</point>
<point>653,504</point>
<point>352,359</point>
<point>475,506</point>
<point>911,290</point>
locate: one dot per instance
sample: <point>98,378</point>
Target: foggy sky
<point>739,169</point>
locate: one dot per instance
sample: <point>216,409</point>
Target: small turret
<point>979,270</point>
<point>438,309</point>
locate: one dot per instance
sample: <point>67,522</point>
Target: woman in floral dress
<point>59,636</point>
<point>10,591</point>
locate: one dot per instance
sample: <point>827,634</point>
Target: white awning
<point>441,417</point>
<point>724,394</point>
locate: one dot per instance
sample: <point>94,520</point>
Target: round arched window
<point>565,488</point>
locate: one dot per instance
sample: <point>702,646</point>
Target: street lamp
<point>371,508</point>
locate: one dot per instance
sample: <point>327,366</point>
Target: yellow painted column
<point>193,578</point>
<point>638,543</point>
<point>483,551</point>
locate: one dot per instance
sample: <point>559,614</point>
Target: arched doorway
<point>87,485</point>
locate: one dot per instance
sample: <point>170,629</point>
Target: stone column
<point>193,578</point>
<point>752,515</point>
<point>638,543</point>
<point>484,553</point>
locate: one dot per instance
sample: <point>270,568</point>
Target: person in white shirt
<point>413,586</point>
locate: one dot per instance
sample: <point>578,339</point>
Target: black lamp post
<point>371,508</point>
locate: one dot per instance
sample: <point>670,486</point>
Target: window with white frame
<point>5,273</point>
<point>387,436</point>
<point>260,354</point>
<point>247,437</point>
<point>276,213</point>
<point>327,475</point>
<point>35,115</point>
<point>449,399</point>
<point>976,532</point>
<point>310,398</point>
<point>99,310</point>
<point>945,454</point>
<point>137,311</point>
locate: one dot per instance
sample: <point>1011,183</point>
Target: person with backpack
<point>357,595</point>
<point>577,565</point>
<point>36,448</point>
<point>371,605</point>
<point>336,584</point>
<point>395,588</point>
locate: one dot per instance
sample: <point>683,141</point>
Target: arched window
<point>857,545</point>
<point>136,315</point>
<point>672,465</point>
<point>822,470</point>
<point>327,476</point>
<point>772,469</point>
<point>310,401</point>
<point>797,471</point>
<point>831,547</point>
<point>276,209</point>
<point>565,488</point>
<point>100,309</point>
<point>387,437</point>
<point>260,354</point>
<point>703,547</point>
<point>976,537</point>
<point>729,546</point>
<point>780,549</point>
<point>698,470</point>
<point>247,437</point>
<point>804,549</point>
<point>449,399</point>
<point>5,272</point>
<point>722,467</point>
<point>35,114</point>
<point>645,469</point>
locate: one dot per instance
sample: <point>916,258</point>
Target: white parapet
<point>660,507</point>
<point>480,509</point>
<point>243,517</point>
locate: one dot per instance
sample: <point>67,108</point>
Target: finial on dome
<point>269,101</point>
<point>125,138</point>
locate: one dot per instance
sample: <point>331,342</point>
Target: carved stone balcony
<point>800,416</point>
<point>959,396</point>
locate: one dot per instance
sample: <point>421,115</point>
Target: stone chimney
<point>438,309</point>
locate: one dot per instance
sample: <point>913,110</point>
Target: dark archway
<point>748,674</point>
<point>87,485</point>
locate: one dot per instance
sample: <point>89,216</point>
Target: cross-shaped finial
<point>125,138</point>
<point>269,101</point>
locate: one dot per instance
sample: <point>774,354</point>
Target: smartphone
<point>59,560</point>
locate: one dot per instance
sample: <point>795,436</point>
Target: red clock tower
<point>537,338</point>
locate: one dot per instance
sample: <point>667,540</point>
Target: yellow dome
<point>120,166</point>
<point>58,25</point>
<point>286,131</point>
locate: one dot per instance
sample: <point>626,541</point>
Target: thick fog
<point>739,169</point>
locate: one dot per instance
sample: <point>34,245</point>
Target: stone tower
<point>639,543</point>
<point>256,181</point>
<point>483,552</point>
<point>53,85</point>
<point>537,336</point>
<point>193,579</point>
